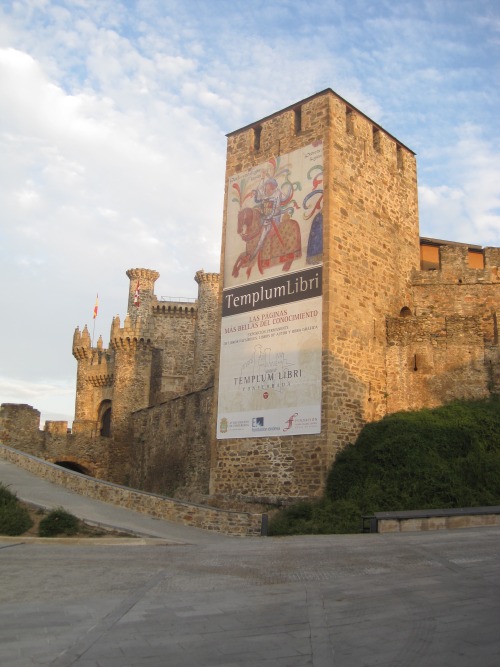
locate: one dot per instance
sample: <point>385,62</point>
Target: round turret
<point>141,293</point>
<point>206,329</point>
<point>81,343</point>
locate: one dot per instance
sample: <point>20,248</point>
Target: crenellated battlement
<point>175,309</point>
<point>447,263</point>
<point>82,344</point>
<point>84,352</point>
<point>101,379</point>
<point>299,123</point>
<point>202,277</point>
<point>147,277</point>
<point>131,336</point>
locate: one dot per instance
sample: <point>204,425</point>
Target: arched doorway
<point>105,419</point>
<point>73,465</point>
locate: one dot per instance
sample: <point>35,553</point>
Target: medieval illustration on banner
<point>271,336</point>
<point>274,217</point>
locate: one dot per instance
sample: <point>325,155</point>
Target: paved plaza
<point>186,598</point>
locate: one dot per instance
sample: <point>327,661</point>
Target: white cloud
<point>55,397</point>
<point>469,211</point>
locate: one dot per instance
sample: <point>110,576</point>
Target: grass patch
<point>439,458</point>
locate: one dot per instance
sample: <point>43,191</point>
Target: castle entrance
<point>73,465</point>
<point>105,419</point>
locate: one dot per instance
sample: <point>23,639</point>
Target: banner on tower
<point>271,331</point>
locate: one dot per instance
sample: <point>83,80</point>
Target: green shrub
<point>439,458</point>
<point>446,457</point>
<point>7,497</point>
<point>293,520</point>
<point>317,518</point>
<point>14,518</point>
<point>58,522</point>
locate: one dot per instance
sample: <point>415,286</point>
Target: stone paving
<point>406,599</point>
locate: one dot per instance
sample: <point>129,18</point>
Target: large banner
<point>271,335</point>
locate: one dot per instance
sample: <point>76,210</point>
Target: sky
<point>113,123</point>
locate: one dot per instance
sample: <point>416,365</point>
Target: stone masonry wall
<point>448,347</point>
<point>173,326</point>
<point>20,427</point>
<point>171,446</point>
<point>372,248</point>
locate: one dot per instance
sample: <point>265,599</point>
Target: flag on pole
<point>96,307</point>
<point>136,296</point>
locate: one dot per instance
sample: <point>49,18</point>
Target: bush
<point>317,518</point>
<point>58,522</point>
<point>7,497</point>
<point>14,519</point>
<point>445,457</point>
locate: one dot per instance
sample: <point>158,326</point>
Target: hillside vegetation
<point>439,458</point>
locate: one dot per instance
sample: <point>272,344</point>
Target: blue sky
<point>113,118</point>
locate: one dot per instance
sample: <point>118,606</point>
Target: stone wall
<point>171,445</point>
<point>447,347</point>
<point>188,514</point>
<point>372,250</point>
<point>20,427</point>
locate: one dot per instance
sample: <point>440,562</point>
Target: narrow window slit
<point>257,131</point>
<point>297,120</point>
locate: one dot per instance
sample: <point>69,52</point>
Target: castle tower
<point>141,293</point>
<point>207,329</point>
<point>94,380</point>
<point>132,346</point>
<point>320,239</point>
<point>85,420</point>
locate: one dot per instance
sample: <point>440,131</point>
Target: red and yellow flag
<point>96,307</point>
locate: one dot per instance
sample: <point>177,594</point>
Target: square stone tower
<point>320,239</point>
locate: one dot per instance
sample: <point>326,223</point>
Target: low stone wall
<point>188,514</point>
<point>437,523</point>
<point>445,519</point>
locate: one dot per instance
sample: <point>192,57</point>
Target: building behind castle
<point>329,312</point>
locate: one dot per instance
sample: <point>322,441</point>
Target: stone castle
<point>394,322</point>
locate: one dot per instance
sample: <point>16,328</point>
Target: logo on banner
<point>257,422</point>
<point>223,425</point>
<point>289,422</point>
